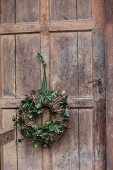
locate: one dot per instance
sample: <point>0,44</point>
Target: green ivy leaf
<point>35,145</point>
<point>66,112</point>
<point>38,132</point>
<point>38,105</point>
<point>55,127</point>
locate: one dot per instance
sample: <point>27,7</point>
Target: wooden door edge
<point>109,82</point>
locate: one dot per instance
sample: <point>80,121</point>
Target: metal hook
<point>99,83</point>
<point>93,81</point>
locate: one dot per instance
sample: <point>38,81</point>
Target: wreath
<point>36,104</point>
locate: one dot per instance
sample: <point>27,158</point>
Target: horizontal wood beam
<point>9,103</point>
<point>6,136</point>
<point>51,27</point>
<point>73,103</point>
<point>80,102</point>
<point>71,26</point>
<point>19,28</point>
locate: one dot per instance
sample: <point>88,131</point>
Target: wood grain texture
<point>84,9</point>
<point>86,144</point>
<point>28,157</point>
<point>62,10</point>
<point>9,16</point>
<point>64,72</point>
<point>9,159</point>
<point>8,65</point>
<point>99,72</point>
<point>6,136</point>
<point>44,10</point>
<point>44,18</point>
<point>71,26</point>
<point>65,151</point>
<point>85,63</point>
<point>20,28</point>
<point>27,10</point>
<point>40,27</point>
<point>109,81</point>
<point>27,64</point>
<point>70,65</point>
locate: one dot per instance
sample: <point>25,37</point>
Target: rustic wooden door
<point>70,34</point>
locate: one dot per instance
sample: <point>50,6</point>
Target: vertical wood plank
<point>65,151</point>
<point>86,145</point>
<point>8,62</point>
<point>109,81</point>
<point>27,10</point>
<point>44,17</point>
<point>64,71</point>
<point>85,63</point>
<point>9,6</point>
<point>9,157</point>
<point>84,9</point>
<point>0,89</point>
<point>44,11</point>
<point>45,51</point>
<point>27,64</point>
<point>99,72</point>
<point>27,78</point>
<point>29,158</point>
<point>63,10</point>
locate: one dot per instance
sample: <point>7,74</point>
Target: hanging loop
<point>41,60</point>
<point>44,81</point>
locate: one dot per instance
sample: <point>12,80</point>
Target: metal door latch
<point>99,83</point>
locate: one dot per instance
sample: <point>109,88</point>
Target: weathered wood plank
<point>8,65</point>
<point>84,9</point>
<point>27,78</point>
<point>80,102</point>
<point>44,17</point>
<point>29,158</point>
<point>6,136</point>
<point>27,11</point>
<point>99,72</point>
<point>52,27</point>
<point>9,6</point>
<point>20,28</point>
<point>73,102</point>
<point>9,103</point>
<point>100,134</point>
<point>65,151</point>
<point>71,26</point>
<point>9,156</point>
<point>86,143</point>
<point>85,63</point>
<point>109,82</point>
<point>62,10</point>
<point>27,64</point>
<point>44,11</point>
<point>64,73</point>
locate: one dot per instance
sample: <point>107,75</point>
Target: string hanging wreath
<point>37,103</point>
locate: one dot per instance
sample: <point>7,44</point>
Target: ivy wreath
<point>40,102</point>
